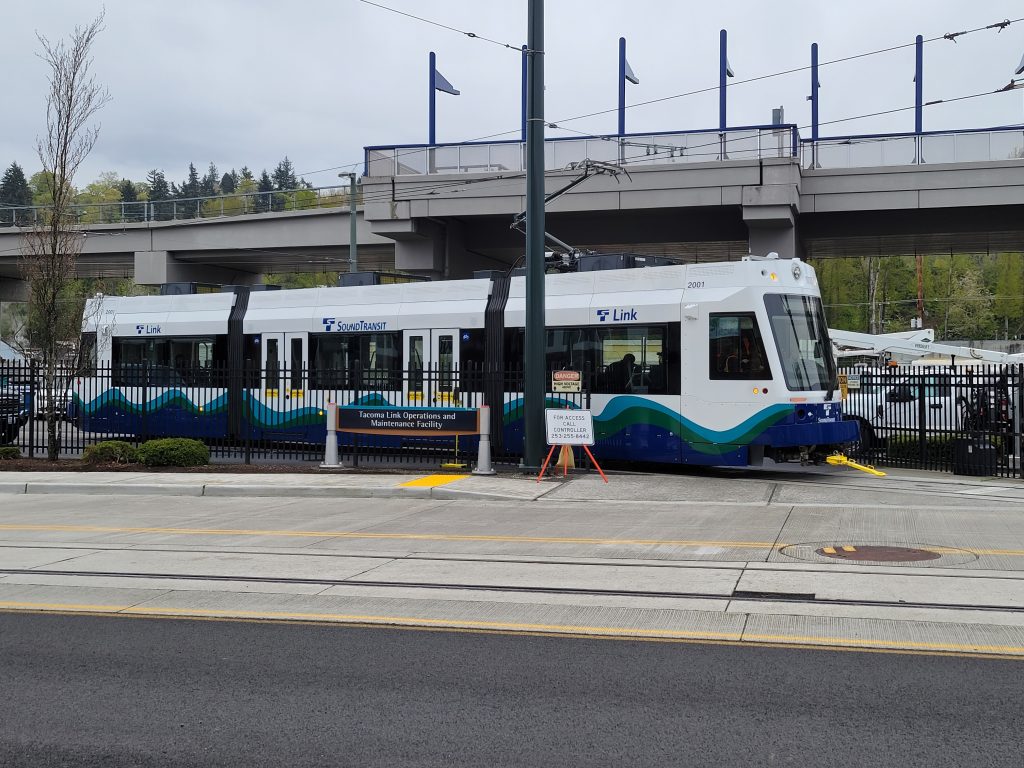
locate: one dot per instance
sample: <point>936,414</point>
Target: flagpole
<point>622,86</point>
<point>723,73</point>
<point>433,92</point>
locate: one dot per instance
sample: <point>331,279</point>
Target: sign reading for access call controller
<point>411,422</point>
<point>565,427</point>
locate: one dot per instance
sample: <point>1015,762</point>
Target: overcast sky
<point>246,82</point>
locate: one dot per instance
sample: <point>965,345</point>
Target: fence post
<point>1016,403</point>
<point>922,414</point>
<point>33,392</point>
<point>355,435</point>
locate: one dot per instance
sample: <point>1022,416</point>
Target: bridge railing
<point>629,150</point>
<point>893,149</point>
<point>213,207</point>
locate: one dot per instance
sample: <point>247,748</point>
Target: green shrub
<point>174,452</point>
<point>111,452</point>
<point>10,452</point>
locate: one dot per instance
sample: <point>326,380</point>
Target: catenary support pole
<point>533,386</point>
<point>524,95</point>
<point>353,245</point>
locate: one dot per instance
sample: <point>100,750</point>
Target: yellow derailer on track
<point>840,460</point>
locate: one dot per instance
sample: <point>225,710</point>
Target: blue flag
<point>630,76</point>
<point>441,84</point>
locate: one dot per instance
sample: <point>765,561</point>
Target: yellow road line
<point>625,633</point>
<point>829,550</point>
<point>26,528</point>
<point>432,481</point>
<point>369,535</point>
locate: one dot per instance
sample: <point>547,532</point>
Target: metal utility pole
<point>353,251</point>
<point>534,373</point>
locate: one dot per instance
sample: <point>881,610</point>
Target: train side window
<point>415,363</point>
<point>273,364</point>
<point>736,349</point>
<point>628,359</point>
<point>297,364</point>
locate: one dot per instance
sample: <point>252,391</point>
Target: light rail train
<point>713,364</point>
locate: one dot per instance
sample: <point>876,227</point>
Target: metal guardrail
<point>629,150</point>
<point>215,207</point>
<point>900,149</point>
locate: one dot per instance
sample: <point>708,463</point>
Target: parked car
<point>942,401</point>
<point>13,412</point>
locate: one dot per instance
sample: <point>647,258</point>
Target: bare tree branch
<point>49,258</point>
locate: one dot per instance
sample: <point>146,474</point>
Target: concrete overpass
<point>446,210</point>
<point>236,249</point>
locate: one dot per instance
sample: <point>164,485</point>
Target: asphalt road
<point>106,691</point>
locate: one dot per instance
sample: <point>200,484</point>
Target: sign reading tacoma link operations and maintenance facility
<point>566,427</point>
<point>411,422</point>
<point>566,381</point>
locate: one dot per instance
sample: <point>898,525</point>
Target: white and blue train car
<point>717,364</point>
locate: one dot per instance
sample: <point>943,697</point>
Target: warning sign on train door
<point>566,381</point>
<point>567,427</point>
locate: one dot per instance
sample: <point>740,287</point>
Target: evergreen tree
<point>128,192</point>
<point>132,208</point>
<point>209,185</point>
<point>264,201</point>
<point>190,188</point>
<point>246,174</point>
<point>14,192</point>
<point>227,184</point>
<point>284,175</point>
<point>159,192</point>
<point>234,177</point>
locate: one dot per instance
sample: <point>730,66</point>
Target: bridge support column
<point>159,267</point>
<point>770,213</point>
<point>13,289</point>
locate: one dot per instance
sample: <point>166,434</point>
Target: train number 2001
<point>695,284</point>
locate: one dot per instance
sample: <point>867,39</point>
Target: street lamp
<point>353,257</point>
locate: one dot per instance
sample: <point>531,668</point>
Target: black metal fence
<point>963,419</point>
<point>254,415</point>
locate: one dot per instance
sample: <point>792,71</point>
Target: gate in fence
<point>964,419</point>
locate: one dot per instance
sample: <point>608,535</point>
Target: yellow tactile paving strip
<point>432,481</point>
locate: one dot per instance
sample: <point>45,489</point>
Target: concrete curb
<point>94,489</point>
<point>252,491</point>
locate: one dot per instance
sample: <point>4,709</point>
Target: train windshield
<point>798,325</point>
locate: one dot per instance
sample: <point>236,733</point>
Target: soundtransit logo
<point>332,324</point>
<point>142,328</point>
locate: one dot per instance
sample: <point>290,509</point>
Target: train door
<point>431,361</point>
<point>284,371</point>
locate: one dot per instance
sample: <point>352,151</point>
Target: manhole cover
<point>911,553</point>
<point>878,554</point>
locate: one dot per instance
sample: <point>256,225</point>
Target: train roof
<point>571,297</point>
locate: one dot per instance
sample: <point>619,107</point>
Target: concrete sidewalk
<point>778,486</point>
<point>733,556</point>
